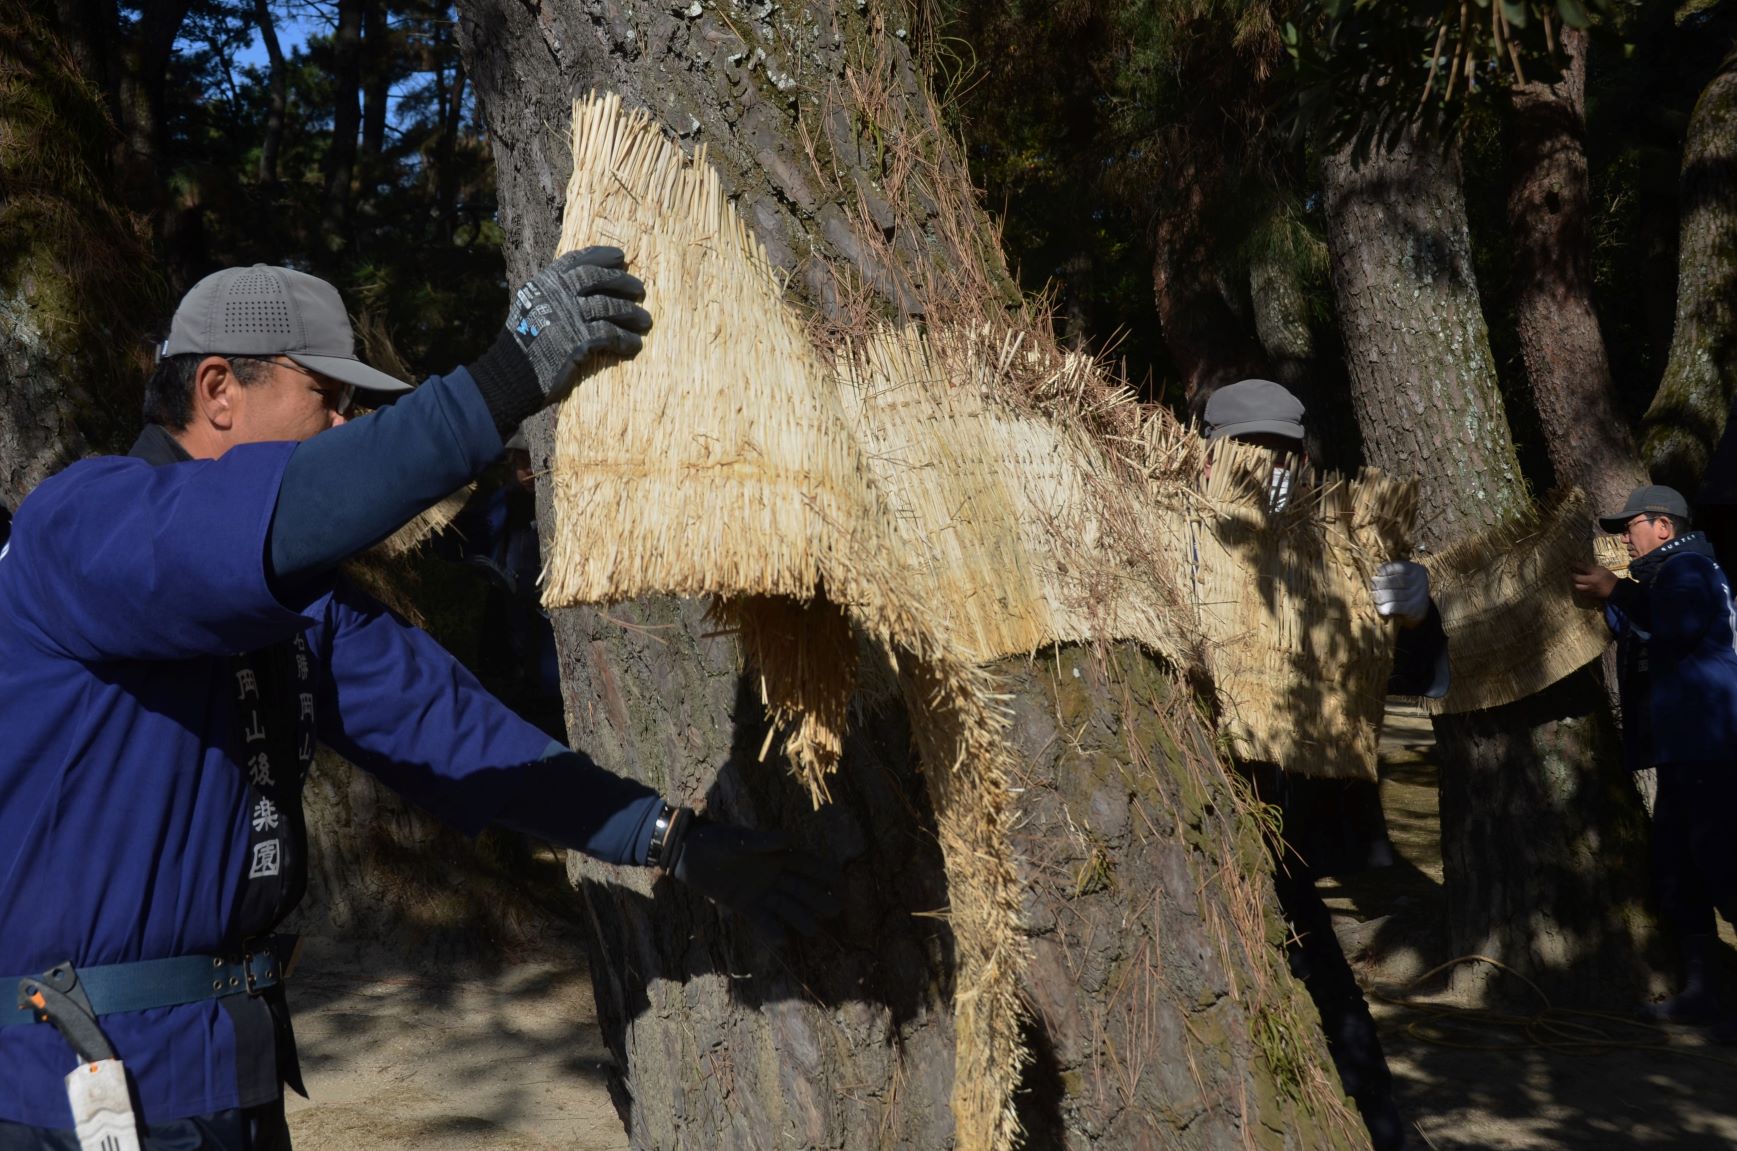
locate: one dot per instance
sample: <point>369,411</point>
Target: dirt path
<point>1469,1081</point>
<point>513,1061</point>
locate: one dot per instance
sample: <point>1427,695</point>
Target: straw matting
<point>1016,526</point>
<point>718,462</point>
<point>424,527</point>
<point>1299,656</point>
<point>1508,608</point>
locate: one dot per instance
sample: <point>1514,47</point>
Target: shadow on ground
<point>1529,1079</point>
<point>442,1052</point>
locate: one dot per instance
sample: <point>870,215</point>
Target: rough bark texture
<point>1564,902</point>
<point>1522,885</point>
<point>846,1041</point>
<point>75,293</point>
<point>1585,434</point>
<point>1160,1016</point>
<point>1688,414</point>
<point>1423,382</point>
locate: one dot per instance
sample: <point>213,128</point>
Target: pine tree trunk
<point>1688,414</point>
<point>1423,383</point>
<point>76,293</point>
<point>277,89</point>
<point>1184,1030</point>
<point>340,159</point>
<point>1549,205</point>
<point>1517,783</point>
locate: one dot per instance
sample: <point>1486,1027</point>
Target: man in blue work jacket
<point>1676,628</point>
<point>174,640</point>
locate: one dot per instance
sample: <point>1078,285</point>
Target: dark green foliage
<point>419,259</point>
<point>1367,68</point>
<point>1080,118</point>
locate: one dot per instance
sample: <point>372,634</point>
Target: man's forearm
<point>571,802</point>
<point>347,489</point>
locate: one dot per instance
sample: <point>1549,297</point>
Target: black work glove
<point>777,887</point>
<point>582,305</point>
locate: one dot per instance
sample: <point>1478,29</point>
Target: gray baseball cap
<point>1650,500</point>
<point>1253,407</point>
<point>270,311</point>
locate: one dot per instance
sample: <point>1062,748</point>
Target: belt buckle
<point>252,977</point>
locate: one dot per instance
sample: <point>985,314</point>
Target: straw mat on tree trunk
<point>1298,655</point>
<point>718,462</point>
<point>1016,526</point>
<point>1507,604</point>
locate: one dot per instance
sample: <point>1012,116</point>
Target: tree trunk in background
<point>76,290</point>
<point>147,54</point>
<point>445,166</point>
<point>378,56</point>
<point>1540,830</point>
<point>1549,210</point>
<point>1688,414</point>
<point>1423,383</point>
<point>846,1041</point>
<point>279,97</point>
<point>340,163</point>
<point>1209,343</point>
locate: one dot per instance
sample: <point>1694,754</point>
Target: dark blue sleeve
<point>116,559</point>
<point>396,704</point>
<point>571,802</point>
<point>349,488</point>
<point>1420,659</point>
<point>1628,601</point>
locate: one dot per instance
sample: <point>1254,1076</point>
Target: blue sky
<point>296,21</point>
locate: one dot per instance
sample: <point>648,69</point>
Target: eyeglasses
<point>1642,518</point>
<point>339,400</point>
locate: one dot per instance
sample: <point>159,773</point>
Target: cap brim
<point>1615,525</point>
<point>1258,427</point>
<point>350,371</point>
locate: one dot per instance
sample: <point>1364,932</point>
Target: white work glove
<point>1401,591</point>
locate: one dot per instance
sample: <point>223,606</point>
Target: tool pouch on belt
<point>102,1107</point>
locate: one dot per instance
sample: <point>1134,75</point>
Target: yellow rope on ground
<point>1563,1029</point>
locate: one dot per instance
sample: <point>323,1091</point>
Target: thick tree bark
<point>1521,884</point>
<point>1688,414</point>
<point>1423,382</point>
<point>1549,207</point>
<point>1537,814</point>
<point>1150,990</point>
<point>76,293</point>
<point>846,1041</point>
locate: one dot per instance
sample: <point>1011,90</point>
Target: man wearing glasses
<point>1677,672</point>
<point>175,638</point>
